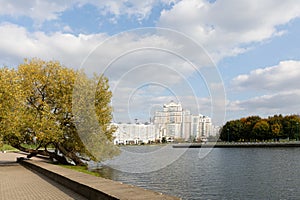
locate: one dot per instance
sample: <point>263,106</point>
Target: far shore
<point>238,144</point>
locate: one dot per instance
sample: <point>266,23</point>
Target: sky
<point>225,59</point>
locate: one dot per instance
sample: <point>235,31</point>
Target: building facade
<point>134,133</point>
<point>174,122</point>
<point>171,123</point>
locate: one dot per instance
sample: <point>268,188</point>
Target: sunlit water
<point>233,173</point>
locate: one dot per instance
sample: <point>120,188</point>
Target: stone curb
<point>91,187</point>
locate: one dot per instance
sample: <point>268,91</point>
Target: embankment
<point>93,187</point>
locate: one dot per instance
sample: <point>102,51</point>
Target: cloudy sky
<point>225,58</point>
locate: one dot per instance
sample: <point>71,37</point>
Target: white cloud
<point>41,11</point>
<point>16,43</point>
<point>131,60</point>
<point>223,27</point>
<point>276,90</point>
<point>132,8</point>
<point>284,102</point>
<point>67,29</point>
<point>282,77</point>
<point>140,9</point>
<point>152,61</point>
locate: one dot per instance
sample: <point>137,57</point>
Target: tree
<point>39,109</point>
<point>276,128</point>
<point>261,130</point>
<point>248,124</point>
<point>231,131</point>
<point>291,126</point>
<point>10,107</point>
<point>256,128</point>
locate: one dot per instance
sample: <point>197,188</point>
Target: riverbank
<point>238,145</point>
<point>91,187</point>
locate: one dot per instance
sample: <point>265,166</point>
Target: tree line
<point>47,108</point>
<point>255,128</point>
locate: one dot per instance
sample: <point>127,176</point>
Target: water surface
<point>233,173</point>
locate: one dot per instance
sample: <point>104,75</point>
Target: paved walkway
<point>17,182</point>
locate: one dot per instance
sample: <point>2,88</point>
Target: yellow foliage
<point>36,102</point>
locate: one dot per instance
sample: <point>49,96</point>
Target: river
<point>219,173</point>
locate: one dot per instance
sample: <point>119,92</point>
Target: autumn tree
<point>37,108</point>
<point>291,126</point>
<point>276,127</point>
<point>10,107</point>
<point>254,128</point>
<point>261,131</point>
<point>248,125</point>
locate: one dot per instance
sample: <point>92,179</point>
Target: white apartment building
<point>202,127</point>
<point>134,133</point>
<point>171,123</point>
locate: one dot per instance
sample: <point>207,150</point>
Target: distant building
<point>205,127</point>
<point>134,133</point>
<point>171,123</point>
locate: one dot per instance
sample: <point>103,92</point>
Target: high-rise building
<point>174,122</point>
<point>171,123</point>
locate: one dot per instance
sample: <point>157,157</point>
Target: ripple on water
<point>258,173</point>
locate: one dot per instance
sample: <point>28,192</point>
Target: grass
<point>29,146</point>
<point>82,169</point>
<point>7,147</point>
<point>34,146</point>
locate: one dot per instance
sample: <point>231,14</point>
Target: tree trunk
<point>34,152</point>
<point>71,155</point>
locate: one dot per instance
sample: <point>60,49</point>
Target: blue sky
<point>251,47</point>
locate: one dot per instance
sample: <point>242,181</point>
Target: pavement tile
<point>19,183</point>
